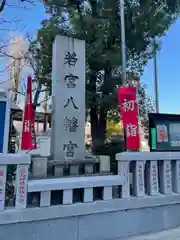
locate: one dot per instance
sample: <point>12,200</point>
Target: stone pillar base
<point>104,164</point>
<point>59,171</point>
<point>74,169</point>
<point>39,167</point>
<point>89,168</point>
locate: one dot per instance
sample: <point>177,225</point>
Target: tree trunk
<point>102,125</point>
<point>98,128</point>
<point>94,126</point>
<point>93,111</point>
<point>98,116</point>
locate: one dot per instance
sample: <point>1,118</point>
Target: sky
<point>167,58</point>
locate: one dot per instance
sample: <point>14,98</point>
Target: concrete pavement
<point>173,234</point>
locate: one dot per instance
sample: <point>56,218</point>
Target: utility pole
<point>156,92</point>
<point>123,40</point>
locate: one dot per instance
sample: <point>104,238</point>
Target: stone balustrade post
<point>67,196</point>
<point>89,168</point>
<point>3,171</point>
<point>104,164</point>
<point>165,176</point>
<point>45,199</point>
<point>21,185</point>
<point>39,167</point>
<point>123,170</point>
<point>152,178</point>
<point>22,161</point>
<point>59,170</point>
<point>176,176</point>
<point>138,179</point>
<point>74,169</point>
<point>88,195</point>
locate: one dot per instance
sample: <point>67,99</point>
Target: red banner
<point>28,141</point>
<point>129,115</point>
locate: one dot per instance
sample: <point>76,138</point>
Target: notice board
<point>2,123</point>
<point>164,132</point>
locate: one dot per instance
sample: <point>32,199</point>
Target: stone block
<point>89,168</point>
<point>104,164</point>
<point>59,171</point>
<point>74,169</point>
<point>39,167</point>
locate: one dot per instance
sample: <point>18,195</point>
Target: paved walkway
<point>173,234</point>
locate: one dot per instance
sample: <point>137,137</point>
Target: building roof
<point>14,106</point>
<point>17,115</point>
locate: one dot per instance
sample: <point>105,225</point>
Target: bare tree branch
<point>38,104</point>
<point>16,91</point>
<point>2,5</point>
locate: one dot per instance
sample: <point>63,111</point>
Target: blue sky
<point>168,72</point>
<point>168,57</point>
<point>29,16</point>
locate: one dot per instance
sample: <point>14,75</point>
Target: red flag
<point>28,141</point>
<point>129,113</point>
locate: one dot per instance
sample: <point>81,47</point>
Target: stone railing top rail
<point>14,159</point>
<point>73,183</point>
<point>143,156</point>
<point>86,160</point>
<point>76,161</point>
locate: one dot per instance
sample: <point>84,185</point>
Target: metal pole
<point>123,40</point>
<point>138,110</point>
<point>156,83</point>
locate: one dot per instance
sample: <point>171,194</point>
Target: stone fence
<point>74,190</point>
<point>22,162</point>
<point>139,174</point>
<point>152,173</point>
<point>41,167</point>
<point>147,188</point>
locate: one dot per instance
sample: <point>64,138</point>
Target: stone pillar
<point>74,169</point>
<point>104,164</point>
<point>89,168</point>
<point>88,195</point>
<point>67,196</point>
<point>21,186</point>
<point>176,176</point>
<point>166,177</point>
<point>152,178</point>
<point>39,167</point>
<point>59,171</point>
<point>123,170</point>
<point>45,199</point>
<point>68,99</point>
<point>3,171</point>
<point>138,179</point>
<point>107,193</point>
